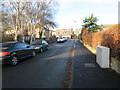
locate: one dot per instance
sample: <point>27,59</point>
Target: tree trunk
<point>40,34</point>
<point>15,37</point>
<point>31,39</point>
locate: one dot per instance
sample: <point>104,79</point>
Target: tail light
<point>4,53</point>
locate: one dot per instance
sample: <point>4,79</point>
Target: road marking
<point>69,76</point>
<point>74,44</point>
<point>72,66</point>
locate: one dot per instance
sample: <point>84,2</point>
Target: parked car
<point>65,38</point>
<point>61,39</point>
<point>12,52</point>
<point>40,45</point>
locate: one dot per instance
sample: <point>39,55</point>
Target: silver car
<point>61,39</point>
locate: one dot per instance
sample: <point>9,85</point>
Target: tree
<point>45,14</point>
<point>91,24</point>
<point>27,16</point>
<point>13,17</point>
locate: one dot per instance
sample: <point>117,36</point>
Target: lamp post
<point>75,27</point>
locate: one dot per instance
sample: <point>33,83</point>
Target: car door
<point>19,50</point>
<point>45,44</point>
<point>28,48</point>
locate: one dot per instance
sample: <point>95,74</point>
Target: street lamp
<point>75,26</point>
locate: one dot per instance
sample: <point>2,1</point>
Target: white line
<point>74,44</point>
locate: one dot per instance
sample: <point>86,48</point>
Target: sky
<point>71,13</point>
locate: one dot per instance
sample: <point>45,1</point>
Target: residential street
<point>59,44</point>
<point>46,70</point>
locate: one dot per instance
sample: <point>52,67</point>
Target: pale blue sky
<point>76,10</point>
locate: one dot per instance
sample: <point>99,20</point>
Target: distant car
<point>65,38</point>
<point>61,39</point>
<point>12,52</point>
<point>40,45</point>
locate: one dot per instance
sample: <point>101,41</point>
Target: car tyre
<point>33,53</point>
<point>14,60</point>
<point>41,50</point>
<point>47,48</point>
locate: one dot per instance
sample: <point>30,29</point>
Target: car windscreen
<point>5,45</point>
<point>60,38</point>
<point>36,42</point>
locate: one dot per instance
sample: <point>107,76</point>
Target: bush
<point>108,38</point>
<point>80,36</point>
<point>6,38</point>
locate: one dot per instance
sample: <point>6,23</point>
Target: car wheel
<point>33,54</point>
<point>14,60</point>
<point>47,48</point>
<point>41,50</point>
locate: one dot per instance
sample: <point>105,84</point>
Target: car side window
<point>23,45</point>
<point>20,45</point>
<point>17,45</point>
<point>40,42</point>
<point>44,42</point>
<point>37,42</point>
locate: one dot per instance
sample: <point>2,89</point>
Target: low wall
<point>51,40</point>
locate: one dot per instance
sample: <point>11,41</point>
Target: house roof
<point>107,25</point>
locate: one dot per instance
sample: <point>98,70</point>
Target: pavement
<point>88,74</point>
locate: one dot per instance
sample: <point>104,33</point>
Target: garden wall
<point>52,39</point>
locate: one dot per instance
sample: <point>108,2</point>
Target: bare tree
<point>22,15</point>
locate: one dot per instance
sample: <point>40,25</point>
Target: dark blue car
<point>12,52</point>
<point>40,45</point>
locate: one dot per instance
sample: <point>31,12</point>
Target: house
<point>107,26</point>
<point>53,33</point>
<point>64,33</point>
<point>77,31</point>
<point>39,32</point>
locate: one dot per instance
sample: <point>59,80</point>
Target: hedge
<point>6,38</point>
<point>108,38</point>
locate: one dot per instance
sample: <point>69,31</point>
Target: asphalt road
<point>46,70</point>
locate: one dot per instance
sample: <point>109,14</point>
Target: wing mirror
<point>27,46</point>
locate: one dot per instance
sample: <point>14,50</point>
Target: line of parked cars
<point>13,52</point>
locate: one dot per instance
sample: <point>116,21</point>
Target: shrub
<point>108,38</point>
<point>6,38</point>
